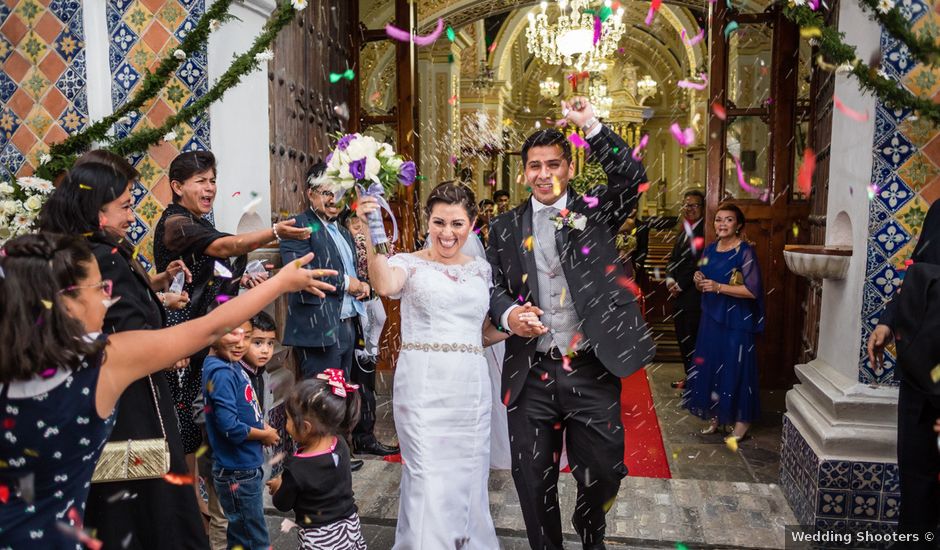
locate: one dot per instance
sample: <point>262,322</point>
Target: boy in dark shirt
<point>261,342</point>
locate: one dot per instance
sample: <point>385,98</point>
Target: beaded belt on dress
<point>460,348</point>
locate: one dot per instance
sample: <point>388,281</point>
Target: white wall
<point>239,122</point>
<point>97,67</point>
<point>850,167</point>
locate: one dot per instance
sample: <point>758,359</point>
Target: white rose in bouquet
<point>33,203</point>
<point>395,163</point>
<point>373,166</point>
<point>6,188</point>
<point>9,207</point>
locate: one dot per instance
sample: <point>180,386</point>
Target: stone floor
<point>716,499</point>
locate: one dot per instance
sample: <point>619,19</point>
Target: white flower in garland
<point>799,2</point>
<point>214,25</point>
<point>884,75</point>
<point>44,158</point>
<point>266,55</point>
<point>298,4</point>
<point>170,136</point>
<point>884,6</point>
<point>179,54</point>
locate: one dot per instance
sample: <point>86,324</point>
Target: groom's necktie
<point>545,235</point>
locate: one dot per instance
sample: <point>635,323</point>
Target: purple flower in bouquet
<point>344,141</point>
<point>328,158</point>
<point>357,168</point>
<point>407,173</point>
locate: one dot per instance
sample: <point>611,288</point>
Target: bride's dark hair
<point>452,192</point>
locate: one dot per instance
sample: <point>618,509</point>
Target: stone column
<point>838,454</point>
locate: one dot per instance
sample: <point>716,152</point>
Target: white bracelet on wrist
<point>589,125</point>
<point>274,230</point>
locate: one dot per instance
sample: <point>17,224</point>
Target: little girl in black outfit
<point>317,482</point>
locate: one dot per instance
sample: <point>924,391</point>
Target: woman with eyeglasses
<point>60,378</point>
<point>93,200</point>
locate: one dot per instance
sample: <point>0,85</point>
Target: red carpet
<point>644,453</point>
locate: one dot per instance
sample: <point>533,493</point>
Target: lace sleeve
<point>404,263</point>
<point>486,272</point>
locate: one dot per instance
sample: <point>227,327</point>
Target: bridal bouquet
<point>374,169</point>
<point>20,202</point>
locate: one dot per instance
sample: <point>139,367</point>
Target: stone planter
<point>818,261</point>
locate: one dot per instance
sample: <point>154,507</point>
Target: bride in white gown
<point>442,393</point>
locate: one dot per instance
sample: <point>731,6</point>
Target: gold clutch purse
<point>134,458</point>
<point>737,279</point>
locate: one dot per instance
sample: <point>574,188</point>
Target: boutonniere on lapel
<point>567,218</point>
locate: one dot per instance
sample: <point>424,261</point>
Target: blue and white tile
<point>865,506</point>
<point>65,9</point>
<point>11,158</point>
<point>891,238</point>
<point>835,474</point>
<point>138,192</point>
<point>895,149</point>
<point>912,10</point>
<point>878,215</point>
<point>7,87</point>
<point>893,192</point>
<point>895,56</point>
<point>832,503</point>
<point>886,281</point>
<point>137,231</point>
<point>191,73</point>
<point>892,481</point>
<point>890,506</point>
<point>867,476</point>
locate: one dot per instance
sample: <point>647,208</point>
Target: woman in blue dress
<point>722,383</point>
<point>60,379</point>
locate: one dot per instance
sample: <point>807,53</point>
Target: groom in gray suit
<point>554,256</point>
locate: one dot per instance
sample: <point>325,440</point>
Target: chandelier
<point>645,88</point>
<point>602,102</point>
<point>485,78</point>
<point>549,88</point>
<point>569,41</point>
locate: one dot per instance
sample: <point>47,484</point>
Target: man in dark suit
<point>322,331</point>
<point>683,263</point>
<point>555,256</point>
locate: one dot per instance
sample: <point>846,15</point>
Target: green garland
<point>151,85</point>
<point>835,51</point>
<point>243,64</point>
<point>923,49</point>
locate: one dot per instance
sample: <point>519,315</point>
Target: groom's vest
<point>555,298</point>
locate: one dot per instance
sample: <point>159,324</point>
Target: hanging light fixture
<point>569,41</point>
<point>646,88</point>
<point>549,88</point>
<point>600,98</point>
<point>485,78</point>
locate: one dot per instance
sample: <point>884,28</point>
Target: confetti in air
<point>577,141</point>
<point>220,270</point>
<point>695,39</point>
<point>851,113</point>
<point>348,74</point>
<point>683,137</point>
<point>694,85</point>
<point>639,147</point>
<point>654,7</point>
<point>719,111</point>
<point>804,178</point>
<point>590,200</point>
<point>404,36</point>
<point>730,28</point>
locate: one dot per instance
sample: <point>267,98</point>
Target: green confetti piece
<point>450,58</point>
<point>450,34</point>
<point>616,150</point>
<point>605,13</point>
<point>680,546</point>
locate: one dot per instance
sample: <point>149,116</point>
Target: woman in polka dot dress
<point>60,380</point>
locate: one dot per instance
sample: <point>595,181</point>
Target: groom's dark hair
<point>452,192</point>
<point>542,138</point>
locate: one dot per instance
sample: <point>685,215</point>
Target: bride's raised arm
<point>386,280</point>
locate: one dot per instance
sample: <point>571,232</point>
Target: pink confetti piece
<point>591,201</point>
<point>694,85</point>
<point>690,235</point>
<point>849,112</point>
<point>639,146</point>
<point>643,187</point>
<point>654,7</point>
<point>744,185</point>
<point>585,250</point>
<point>804,179</point>
<point>683,137</point>
<point>719,111</point>
<point>405,36</point>
<point>287,525</point>
<point>695,39</point>
<point>577,140</point>
<point>597,30</point>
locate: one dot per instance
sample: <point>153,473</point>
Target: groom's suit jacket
<point>610,317</point>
